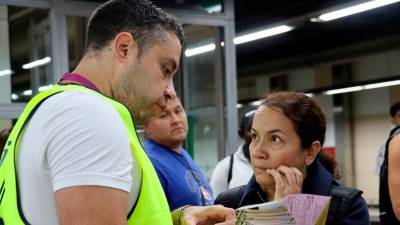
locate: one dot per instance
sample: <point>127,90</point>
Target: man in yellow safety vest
<point>73,157</point>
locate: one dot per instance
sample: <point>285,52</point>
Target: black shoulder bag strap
<point>341,200</point>
<point>230,168</point>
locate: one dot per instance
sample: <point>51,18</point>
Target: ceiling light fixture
<point>199,50</point>
<point>241,39</point>
<point>36,63</point>
<point>6,72</point>
<point>361,87</point>
<point>382,84</point>
<point>14,96</point>
<point>262,34</point>
<point>342,90</point>
<point>352,10</point>
<point>43,88</point>
<point>256,103</point>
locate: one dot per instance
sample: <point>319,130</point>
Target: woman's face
<point>274,143</point>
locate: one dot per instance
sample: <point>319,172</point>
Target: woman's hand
<point>208,215</point>
<point>288,180</point>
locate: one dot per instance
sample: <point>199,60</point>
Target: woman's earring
<point>309,162</point>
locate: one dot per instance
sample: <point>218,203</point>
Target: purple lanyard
<point>79,79</point>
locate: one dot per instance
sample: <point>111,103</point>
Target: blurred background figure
<point>389,170</point>
<point>3,138</point>
<point>235,170</point>
<point>395,119</point>
<point>183,182</point>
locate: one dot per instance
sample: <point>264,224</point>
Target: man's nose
<point>174,118</point>
<point>169,93</point>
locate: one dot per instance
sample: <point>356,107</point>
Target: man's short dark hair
<point>146,22</point>
<point>394,109</point>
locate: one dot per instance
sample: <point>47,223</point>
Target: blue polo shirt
<point>181,179</point>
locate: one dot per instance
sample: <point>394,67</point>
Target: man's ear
<point>312,152</point>
<point>124,46</point>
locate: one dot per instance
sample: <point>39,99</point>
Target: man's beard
<point>126,92</point>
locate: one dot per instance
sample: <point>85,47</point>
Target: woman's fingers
<point>299,177</point>
<point>279,183</point>
<point>288,174</point>
<point>288,180</point>
<point>293,175</point>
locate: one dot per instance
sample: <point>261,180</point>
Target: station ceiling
<point>310,43</point>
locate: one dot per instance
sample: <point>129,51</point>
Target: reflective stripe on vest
<point>151,206</point>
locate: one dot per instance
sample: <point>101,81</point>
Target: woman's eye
<point>253,136</point>
<point>275,138</point>
<point>275,142</point>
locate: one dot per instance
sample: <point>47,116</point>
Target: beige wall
<point>369,133</point>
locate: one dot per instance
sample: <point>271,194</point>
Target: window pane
<point>200,69</point>
<point>26,41</point>
<point>76,39</point>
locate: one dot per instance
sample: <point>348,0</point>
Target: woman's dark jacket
<point>318,181</point>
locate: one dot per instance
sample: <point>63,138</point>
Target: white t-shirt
<point>74,138</point>
<point>241,172</point>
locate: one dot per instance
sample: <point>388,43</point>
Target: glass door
<point>202,93</point>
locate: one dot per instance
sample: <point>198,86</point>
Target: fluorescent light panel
<point>262,34</point>
<point>353,10</point>
<point>27,92</point>
<point>14,96</point>
<point>362,87</point>
<point>256,103</point>
<point>36,63</point>
<point>214,8</point>
<point>5,72</point>
<point>41,88</point>
<point>343,90</point>
<point>241,39</point>
<point>382,84</point>
<point>199,50</point>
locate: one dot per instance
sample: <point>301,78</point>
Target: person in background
<point>76,141</point>
<point>235,169</point>
<point>388,163</point>
<point>395,120</point>
<point>181,179</point>
<point>3,138</point>
<point>288,132</point>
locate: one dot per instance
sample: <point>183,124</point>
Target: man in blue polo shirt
<point>182,180</point>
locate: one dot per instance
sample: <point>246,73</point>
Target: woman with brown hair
<point>288,132</point>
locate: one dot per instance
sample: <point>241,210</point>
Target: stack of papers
<point>297,209</point>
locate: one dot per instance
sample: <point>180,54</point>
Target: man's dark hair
<point>394,109</point>
<point>146,22</point>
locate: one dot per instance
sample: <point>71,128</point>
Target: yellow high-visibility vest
<point>151,207</point>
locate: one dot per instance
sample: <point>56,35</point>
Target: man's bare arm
<point>394,171</point>
<point>92,205</point>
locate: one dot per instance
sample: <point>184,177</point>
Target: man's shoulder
<point>80,104</point>
<point>81,98</point>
